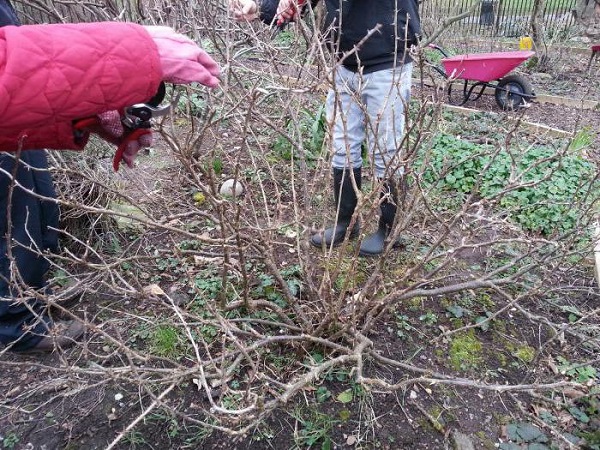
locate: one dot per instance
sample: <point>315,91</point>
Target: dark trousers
<point>24,222</point>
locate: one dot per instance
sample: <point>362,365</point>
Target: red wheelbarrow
<point>481,70</point>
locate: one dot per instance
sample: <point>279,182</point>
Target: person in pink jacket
<point>51,78</point>
<point>53,75</point>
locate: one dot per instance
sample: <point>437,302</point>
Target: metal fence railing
<point>508,18</point>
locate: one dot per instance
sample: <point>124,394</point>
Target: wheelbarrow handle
<point>439,49</point>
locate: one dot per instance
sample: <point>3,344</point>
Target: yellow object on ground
<point>525,43</point>
<point>199,198</point>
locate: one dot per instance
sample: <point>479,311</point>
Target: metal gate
<point>508,18</point>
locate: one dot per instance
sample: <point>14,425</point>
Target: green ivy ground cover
<point>543,189</point>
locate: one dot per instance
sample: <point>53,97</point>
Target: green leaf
<point>317,358</point>
<point>345,397</point>
<point>323,394</point>
<point>573,318</point>
<point>537,446</point>
<point>579,414</point>
<point>481,321</point>
<point>509,446</point>
<point>456,310</point>
<point>525,433</point>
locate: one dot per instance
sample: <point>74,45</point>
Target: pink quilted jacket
<point>51,75</point>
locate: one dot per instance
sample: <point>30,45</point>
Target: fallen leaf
<point>573,393</point>
<point>13,391</point>
<point>345,397</point>
<point>153,289</point>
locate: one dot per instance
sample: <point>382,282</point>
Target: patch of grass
<point>285,38</point>
<point>166,340</point>
<point>169,421</point>
<point>217,165</point>
<point>263,432</point>
<point>135,439</point>
<point>198,434</point>
<point>314,429</point>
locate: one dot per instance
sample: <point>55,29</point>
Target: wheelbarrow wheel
<point>512,92</point>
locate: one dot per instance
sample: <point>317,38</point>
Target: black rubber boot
<point>345,199</point>
<point>374,244</point>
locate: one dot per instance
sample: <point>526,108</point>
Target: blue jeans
<point>24,321</point>
<point>369,107</point>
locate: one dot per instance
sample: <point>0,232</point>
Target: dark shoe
<point>345,200</point>
<point>63,334</point>
<point>65,300</point>
<point>374,244</point>
<point>335,234</point>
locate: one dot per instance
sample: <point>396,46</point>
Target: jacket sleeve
<point>51,75</point>
<point>268,10</point>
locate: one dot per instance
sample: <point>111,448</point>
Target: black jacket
<point>7,14</point>
<point>351,20</point>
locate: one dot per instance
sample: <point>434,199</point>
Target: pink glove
<point>288,10</point>
<point>182,61</point>
<point>129,143</point>
<point>243,10</point>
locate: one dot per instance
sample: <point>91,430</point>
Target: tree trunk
<point>537,32</point>
<point>537,23</point>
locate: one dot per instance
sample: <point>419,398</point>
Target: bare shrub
<point>225,296</point>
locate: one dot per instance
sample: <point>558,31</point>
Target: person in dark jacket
<point>371,40</point>
<point>28,219</point>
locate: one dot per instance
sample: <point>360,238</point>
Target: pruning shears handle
<point>130,136</point>
<point>136,121</point>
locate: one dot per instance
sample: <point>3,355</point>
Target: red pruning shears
<point>281,21</point>
<point>136,121</point>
